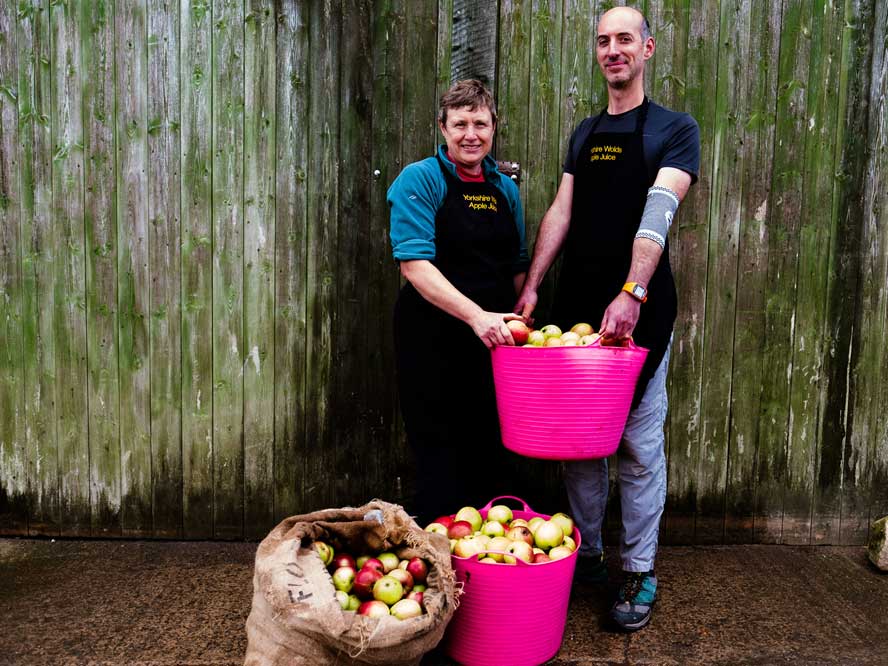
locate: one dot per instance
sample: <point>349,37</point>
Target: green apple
<point>388,590</point>
<point>548,535</point>
<point>536,338</point>
<point>470,515</point>
<point>565,522</point>
<point>500,513</point>
<point>551,331</point>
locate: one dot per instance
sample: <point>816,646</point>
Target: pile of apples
<point>580,335</point>
<point>503,539</point>
<point>376,585</point>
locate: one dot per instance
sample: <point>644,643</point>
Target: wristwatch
<point>635,290</point>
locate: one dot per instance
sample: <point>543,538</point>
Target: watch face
<point>638,290</point>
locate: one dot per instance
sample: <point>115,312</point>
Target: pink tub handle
<point>517,499</point>
<point>631,345</point>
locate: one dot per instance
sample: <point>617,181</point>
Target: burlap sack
<point>295,618</point>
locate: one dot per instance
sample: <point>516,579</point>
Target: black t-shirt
<point>671,139</point>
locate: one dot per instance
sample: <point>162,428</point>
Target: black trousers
<point>448,404</point>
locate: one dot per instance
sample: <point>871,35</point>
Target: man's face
<point>620,50</point>
<point>468,134</point>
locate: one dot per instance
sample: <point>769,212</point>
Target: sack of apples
<point>306,606</point>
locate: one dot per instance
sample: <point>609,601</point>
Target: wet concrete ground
<point>138,602</point>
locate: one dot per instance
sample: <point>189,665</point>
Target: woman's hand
<point>491,328</point>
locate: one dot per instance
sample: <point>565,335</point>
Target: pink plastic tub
<point>565,403</point>
<point>510,615</point>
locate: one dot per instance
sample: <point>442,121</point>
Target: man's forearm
<point>645,258</point>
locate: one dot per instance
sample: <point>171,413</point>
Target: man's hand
<point>620,317</point>
<point>491,328</point>
<point>526,304</point>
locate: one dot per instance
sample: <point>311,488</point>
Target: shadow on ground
<point>149,602</point>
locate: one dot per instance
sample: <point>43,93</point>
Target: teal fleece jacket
<point>417,194</point>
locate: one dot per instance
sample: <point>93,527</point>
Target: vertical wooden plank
<point>134,297</point>
<point>228,248</point>
<point>720,284</point>
<point>856,342</point>
<point>69,285</point>
<point>196,256</point>
<point>383,281</point>
<point>420,131</point>
<point>101,265</point>
<point>39,250</point>
<point>577,65</point>
<point>689,264</point>
<point>874,326</point>
<point>665,72</point>
<point>164,240</point>
<point>259,243</point>
<point>773,471</point>
<point>445,47</point>
<point>473,40</point>
<point>759,28</point>
<point>13,465</point>
<point>809,344</point>
<point>350,382</point>
<point>321,286</point>
<point>291,233</point>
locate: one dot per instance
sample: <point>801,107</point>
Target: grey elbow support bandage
<point>658,213</point>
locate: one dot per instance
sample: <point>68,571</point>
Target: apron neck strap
<point>639,119</point>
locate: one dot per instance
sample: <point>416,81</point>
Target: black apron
<point>610,190</point>
<point>445,380</point>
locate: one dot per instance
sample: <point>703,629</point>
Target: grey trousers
<point>641,466</point>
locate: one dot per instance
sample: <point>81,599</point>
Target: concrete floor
<point>138,602</point>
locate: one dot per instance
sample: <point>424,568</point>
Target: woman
<point>457,231</point>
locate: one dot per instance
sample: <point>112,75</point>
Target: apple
<point>500,513</point>
<point>539,558</point>
<point>518,550</point>
<point>551,331</point>
<point>553,342</point>
<point>389,561</point>
<point>520,533</point>
<point>467,547</point>
<point>344,560</point>
<point>373,563</point>
<point>403,577</point>
<point>470,515</point>
<point>361,561</point>
<point>436,528</point>
<point>536,338</point>
<point>518,521</point>
<point>535,522</point>
<point>406,608</point>
<point>388,590</point>
<point>559,552</point>
<point>460,529</point>
<point>365,579</point>
<point>487,559</point>
<point>582,329</point>
<point>493,529</point>
<point>570,336</point>
<point>342,598</point>
<point>417,567</point>
<point>446,521</point>
<point>325,550</point>
<point>519,331</point>
<point>587,340</point>
<point>497,546</point>
<point>565,522</point>
<point>353,602</point>
<point>569,343</point>
<point>453,544</point>
<point>548,535</point>
<point>416,596</point>
<point>373,609</point>
<point>569,543</point>
<point>403,565</point>
<point>344,578</point>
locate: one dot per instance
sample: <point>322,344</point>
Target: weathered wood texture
<point>195,277</point>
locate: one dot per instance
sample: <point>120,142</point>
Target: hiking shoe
<point>632,609</point>
<point>591,569</point>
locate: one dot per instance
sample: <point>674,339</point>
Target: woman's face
<point>469,135</point>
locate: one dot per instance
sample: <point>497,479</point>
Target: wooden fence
<point>196,284</point>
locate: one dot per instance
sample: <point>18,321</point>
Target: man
<point>625,174</point>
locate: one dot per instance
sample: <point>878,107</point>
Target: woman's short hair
<point>467,93</point>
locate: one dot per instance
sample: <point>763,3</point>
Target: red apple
<point>403,577</point>
<point>540,557</point>
<point>518,550</point>
<point>344,560</point>
<point>373,609</point>
<point>365,579</point>
<point>520,533</point>
<point>460,529</point>
<point>416,596</point>
<point>417,568</point>
<point>373,563</point>
<point>519,331</point>
<point>446,521</point>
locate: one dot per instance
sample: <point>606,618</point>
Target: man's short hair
<point>466,93</point>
